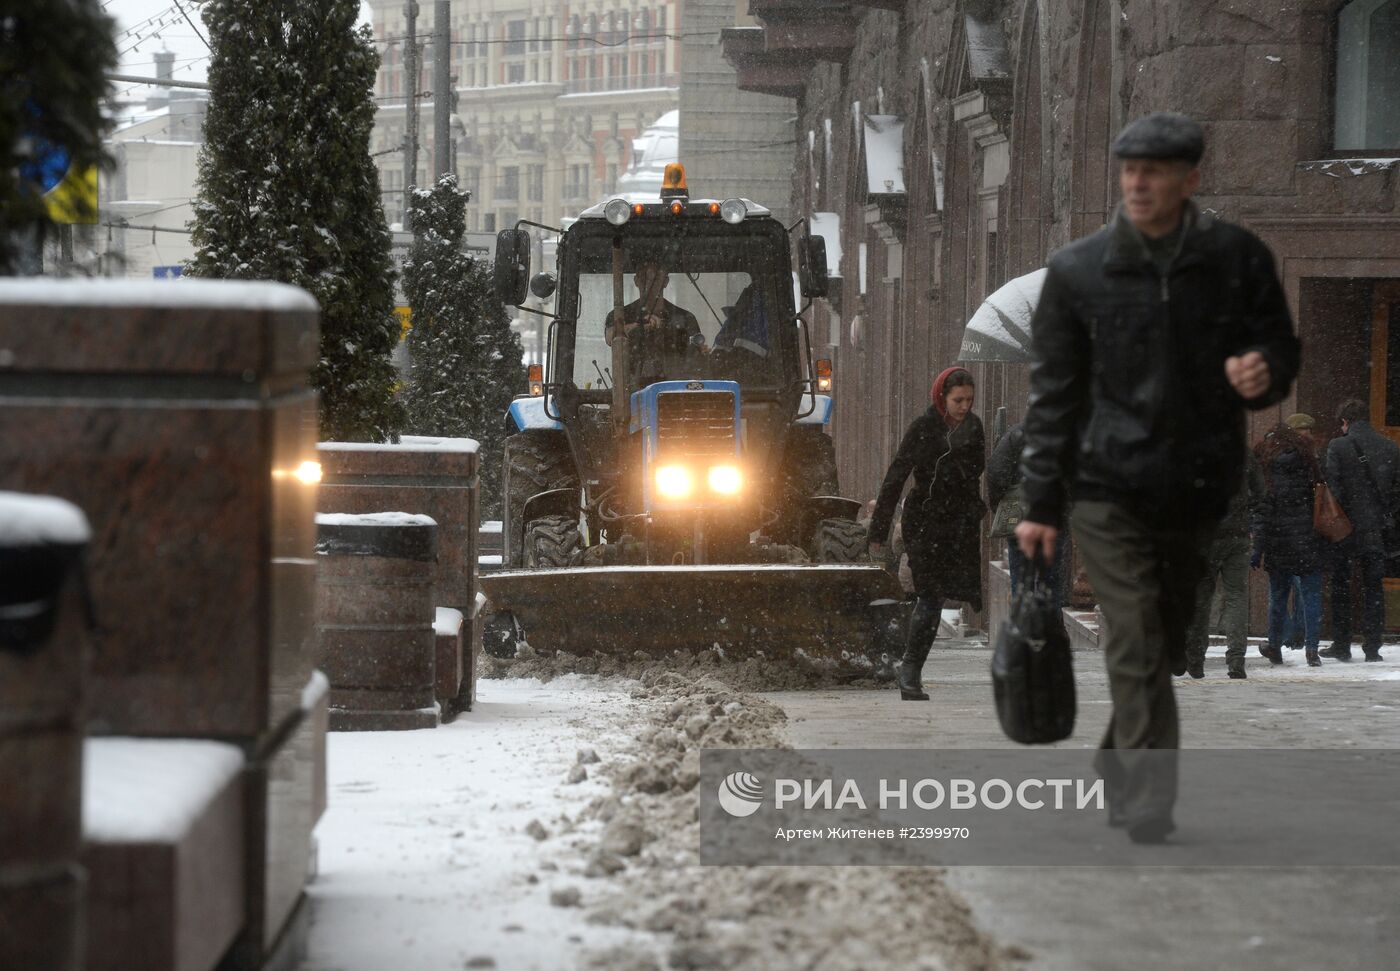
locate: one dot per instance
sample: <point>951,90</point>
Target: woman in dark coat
<point>945,450</point>
<point>1285,543</point>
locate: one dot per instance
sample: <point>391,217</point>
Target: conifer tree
<point>287,190</point>
<point>466,362</point>
<point>53,62</point>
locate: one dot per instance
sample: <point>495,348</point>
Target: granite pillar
<point>181,420</point>
<point>43,656</point>
<point>375,619</point>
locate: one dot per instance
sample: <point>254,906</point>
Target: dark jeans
<point>1293,620</point>
<point>1309,599</point>
<point>1372,569</point>
<point>1057,578</point>
<point>1146,578</point>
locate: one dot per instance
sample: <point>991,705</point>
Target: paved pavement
<point>1085,919</point>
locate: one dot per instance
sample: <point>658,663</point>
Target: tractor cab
<point>675,344</point>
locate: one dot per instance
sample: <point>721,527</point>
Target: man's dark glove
<point>1256,558</point>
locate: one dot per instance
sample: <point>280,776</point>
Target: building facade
<point>549,97</point>
<point>950,145</point>
<point>1000,115</point>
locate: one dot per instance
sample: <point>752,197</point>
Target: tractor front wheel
<point>552,541</point>
<point>839,541</point>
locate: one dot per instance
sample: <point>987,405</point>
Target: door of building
<point>1385,397</point>
<point>1385,358</point>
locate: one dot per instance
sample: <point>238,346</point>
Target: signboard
<point>405,316</point>
<point>168,272</point>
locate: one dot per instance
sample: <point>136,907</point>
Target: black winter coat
<point>944,509</point>
<point>1129,401</point>
<point>1004,467</point>
<point>1353,461</point>
<point>1283,518</point>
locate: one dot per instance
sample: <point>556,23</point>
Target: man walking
<point>1150,339</point>
<point>1227,558</point>
<point>1363,469</point>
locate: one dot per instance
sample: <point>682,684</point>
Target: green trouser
<point>1145,579</point>
<point>1228,559</point>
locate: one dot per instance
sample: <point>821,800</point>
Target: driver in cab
<point>659,333</point>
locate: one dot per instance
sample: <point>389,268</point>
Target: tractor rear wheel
<point>552,541</point>
<point>839,541</point>
<point>535,462</point>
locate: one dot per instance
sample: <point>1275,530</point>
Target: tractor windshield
<point>690,307</point>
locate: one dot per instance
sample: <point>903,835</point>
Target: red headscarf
<point>936,394</point>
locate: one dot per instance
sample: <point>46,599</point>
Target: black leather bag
<point>1032,674</point>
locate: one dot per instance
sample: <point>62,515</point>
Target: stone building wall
<point>1008,109</point>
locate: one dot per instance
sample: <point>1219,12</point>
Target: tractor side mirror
<point>512,270</point>
<point>542,285</point>
<point>811,266</point>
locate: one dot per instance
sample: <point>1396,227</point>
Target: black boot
<point>1313,660</point>
<point>923,626</point>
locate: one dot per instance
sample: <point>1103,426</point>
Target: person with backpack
<point>1363,469</point>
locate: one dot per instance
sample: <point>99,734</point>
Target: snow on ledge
<point>316,688</point>
<point>1353,166</point>
<point>406,443</point>
<point>374,519</point>
<point>447,622</point>
<point>151,790</point>
<point>27,520</point>
<point>232,294</point>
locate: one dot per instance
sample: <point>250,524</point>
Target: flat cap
<point>1300,422</point>
<point>1164,135</point>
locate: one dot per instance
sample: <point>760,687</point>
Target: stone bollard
<point>435,477</point>
<point>180,419</point>
<point>44,616</point>
<point>375,619</point>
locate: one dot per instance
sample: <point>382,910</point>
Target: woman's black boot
<point>923,626</point>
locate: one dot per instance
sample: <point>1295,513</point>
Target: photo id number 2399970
<point>935,833</point>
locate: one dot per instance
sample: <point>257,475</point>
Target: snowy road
<point>427,859</point>
<point>425,862</point>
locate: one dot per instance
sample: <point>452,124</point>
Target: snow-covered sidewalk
<point>425,862</point>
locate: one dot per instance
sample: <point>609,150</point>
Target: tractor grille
<point>695,423</point>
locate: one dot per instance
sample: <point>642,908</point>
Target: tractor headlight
<point>725,479</point>
<point>674,482</point>
<point>617,212</point>
<point>733,210</point>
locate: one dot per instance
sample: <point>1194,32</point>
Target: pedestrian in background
<point>1285,543</point>
<point>1227,559</point>
<point>1363,469</point>
<point>1306,425</point>
<point>1004,476</point>
<point>945,450</point>
<point>1150,339</point>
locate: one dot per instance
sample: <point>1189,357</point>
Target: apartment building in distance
<point>550,96</point>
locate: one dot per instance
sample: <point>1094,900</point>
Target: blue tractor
<point>670,483</point>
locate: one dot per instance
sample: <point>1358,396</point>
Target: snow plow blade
<point>842,613</point>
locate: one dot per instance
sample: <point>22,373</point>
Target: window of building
<point>515,37</point>
<point>508,183</point>
<point>576,187</point>
<point>1368,76</point>
<point>488,222</point>
<point>535,183</point>
<point>612,177</point>
<point>508,218</point>
<point>515,73</point>
<point>471,179</point>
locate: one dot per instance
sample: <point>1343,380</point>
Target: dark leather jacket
<point>1129,401</point>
